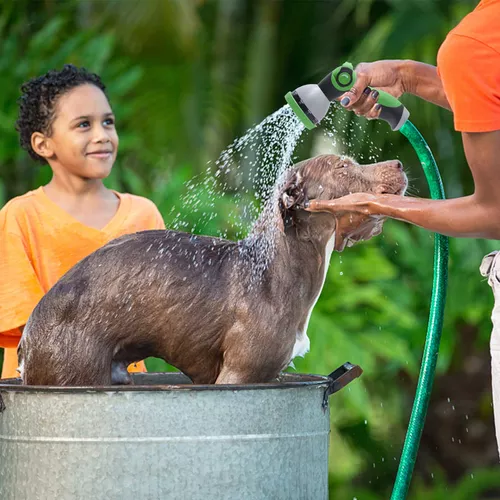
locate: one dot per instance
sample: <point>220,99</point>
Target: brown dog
<point>220,311</point>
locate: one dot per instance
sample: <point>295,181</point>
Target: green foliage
<point>475,485</point>
<point>472,486</point>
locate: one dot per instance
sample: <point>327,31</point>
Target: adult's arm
<point>396,77</point>
<point>474,216</point>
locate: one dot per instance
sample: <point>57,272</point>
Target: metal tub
<point>164,438</point>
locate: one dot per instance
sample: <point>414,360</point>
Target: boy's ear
<point>41,145</point>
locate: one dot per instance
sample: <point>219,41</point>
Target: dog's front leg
<point>256,375</point>
<point>229,376</point>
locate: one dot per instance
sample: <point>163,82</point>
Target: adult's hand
<point>370,78</point>
<point>358,203</point>
<point>396,77</point>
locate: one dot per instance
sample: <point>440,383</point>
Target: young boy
<point>65,120</point>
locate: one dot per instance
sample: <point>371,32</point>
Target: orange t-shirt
<point>39,242</point>
<point>469,67</point>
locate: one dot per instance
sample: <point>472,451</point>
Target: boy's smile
<point>84,141</point>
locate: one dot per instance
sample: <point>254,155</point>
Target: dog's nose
<point>398,165</point>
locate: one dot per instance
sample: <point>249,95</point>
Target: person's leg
<point>10,363</point>
<point>490,267</point>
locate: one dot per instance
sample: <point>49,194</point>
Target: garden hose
<point>434,326</point>
<point>310,103</point>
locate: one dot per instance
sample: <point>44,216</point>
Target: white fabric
<point>490,267</point>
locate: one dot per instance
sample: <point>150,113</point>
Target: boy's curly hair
<point>39,97</point>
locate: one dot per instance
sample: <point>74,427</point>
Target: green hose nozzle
<point>311,102</point>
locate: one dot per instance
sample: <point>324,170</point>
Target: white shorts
<point>490,267</point>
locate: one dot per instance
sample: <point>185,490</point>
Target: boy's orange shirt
<point>39,242</point>
<point>469,67</point>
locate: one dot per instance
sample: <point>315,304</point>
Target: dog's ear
<point>293,193</point>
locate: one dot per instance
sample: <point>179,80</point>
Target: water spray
<point>311,103</point>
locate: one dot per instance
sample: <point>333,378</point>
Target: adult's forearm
<point>423,81</point>
<point>465,217</point>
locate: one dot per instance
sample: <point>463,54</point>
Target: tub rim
<point>304,380</point>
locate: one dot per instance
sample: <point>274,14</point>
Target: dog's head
<point>328,177</point>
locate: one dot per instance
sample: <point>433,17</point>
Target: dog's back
<point>85,320</point>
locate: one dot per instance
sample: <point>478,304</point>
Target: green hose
<point>435,324</point>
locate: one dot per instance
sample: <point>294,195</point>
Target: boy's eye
<point>109,121</point>
<point>84,124</point>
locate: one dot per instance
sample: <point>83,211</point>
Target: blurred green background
<point>185,78</point>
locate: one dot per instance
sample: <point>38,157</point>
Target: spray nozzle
<point>311,102</point>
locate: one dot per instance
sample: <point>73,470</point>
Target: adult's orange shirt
<point>39,242</point>
<point>469,67</point>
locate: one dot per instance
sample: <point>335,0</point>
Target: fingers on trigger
<point>374,112</point>
<point>365,102</point>
<point>349,98</point>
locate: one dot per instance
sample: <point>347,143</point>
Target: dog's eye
<point>342,165</point>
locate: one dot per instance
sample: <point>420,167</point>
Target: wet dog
<point>220,311</point>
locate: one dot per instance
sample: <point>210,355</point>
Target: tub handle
<point>339,378</point>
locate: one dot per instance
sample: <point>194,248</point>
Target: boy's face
<point>84,139</point>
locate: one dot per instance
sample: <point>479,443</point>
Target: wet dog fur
<point>220,311</point>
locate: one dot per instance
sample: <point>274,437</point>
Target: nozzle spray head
<point>311,102</point>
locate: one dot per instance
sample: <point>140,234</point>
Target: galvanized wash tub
<point>164,438</point>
